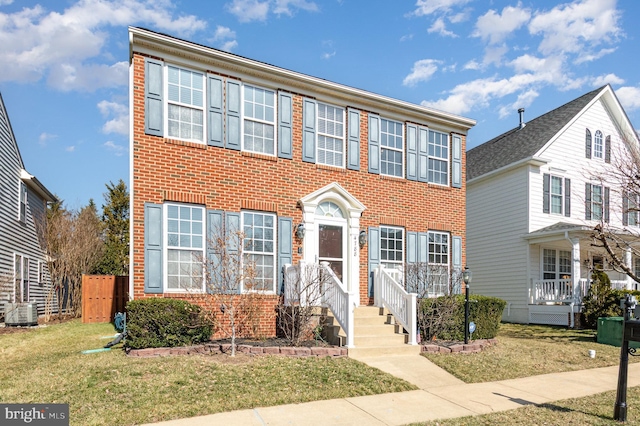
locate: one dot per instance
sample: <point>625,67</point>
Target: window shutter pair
<point>456,161</point>
<point>587,204</point>
<point>418,155</point>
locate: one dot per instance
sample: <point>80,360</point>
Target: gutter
<point>32,182</point>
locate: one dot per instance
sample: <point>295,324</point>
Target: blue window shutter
<point>153,103</point>
<point>457,263</point>
<point>546,192</point>
<point>232,227</point>
<point>456,161</point>
<point>567,197</point>
<point>285,248</point>
<point>374,144</point>
<point>153,248</point>
<point>587,142</point>
<point>309,131</point>
<point>374,255</point>
<point>412,247</point>
<point>353,162</point>
<point>606,204</point>
<point>607,149</point>
<point>625,208</point>
<point>233,115</point>
<point>215,111</point>
<point>285,119</point>
<point>423,247</point>
<point>215,235</point>
<point>423,154</point>
<point>412,152</point>
<point>587,201</point>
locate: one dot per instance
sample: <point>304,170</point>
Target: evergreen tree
<point>115,222</point>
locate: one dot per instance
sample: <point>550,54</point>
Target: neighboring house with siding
<point>221,140</point>
<point>534,194</point>
<point>24,274</point>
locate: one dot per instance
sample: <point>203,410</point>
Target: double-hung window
<point>392,247</point>
<point>391,148</point>
<point>438,258</point>
<point>185,247</point>
<point>596,202</point>
<point>438,151</point>
<point>185,108</point>
<point>21,278</point>
<point>259,245</point>
<point>556,264</point>
<point>22,212</point>
<point>556,196</point>
<point>331,135</point>
<point>259,120</point>
<point>630,210</point>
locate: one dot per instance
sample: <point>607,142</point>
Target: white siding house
<point>534,195</point>
<point>24,275</point>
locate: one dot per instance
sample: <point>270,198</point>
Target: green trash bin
<point>610,332</point>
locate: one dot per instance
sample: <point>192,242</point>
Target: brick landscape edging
<point>225,348</point>
<point>472,347</point>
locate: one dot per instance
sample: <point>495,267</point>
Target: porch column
<point>575,269</point>
<point>628,263</point>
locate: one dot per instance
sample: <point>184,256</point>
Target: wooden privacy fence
<point>103,296</point>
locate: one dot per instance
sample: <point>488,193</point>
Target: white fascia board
<point>32,182</point>
<point>531,161</point>
<point>145,41</point>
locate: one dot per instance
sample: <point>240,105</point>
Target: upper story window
<point>438,157</point>
<point>596,202</point>
<point>22,212</point>
<point>597,145</point>
<point>391,247</point>
<point>331,135</point>
<point>391,148</point>
<point>259,244</point>
<point>557,195</point>
<point>630,209</point>
<point>185,104</point>
<point>185,247</point>
<point>259,120</point>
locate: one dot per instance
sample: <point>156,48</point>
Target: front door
<point>331,247</point>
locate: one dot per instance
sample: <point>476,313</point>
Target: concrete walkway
<point>440,396</point>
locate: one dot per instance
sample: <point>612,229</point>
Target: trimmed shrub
<point>444,317</point>
<point>159,322</point>
<point>602,301</point>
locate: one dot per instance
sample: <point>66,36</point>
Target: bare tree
<point>299,313</point>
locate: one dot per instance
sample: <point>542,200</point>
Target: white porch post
<point>352,256</point>
<point>627,262</point>
<point>575,268</point>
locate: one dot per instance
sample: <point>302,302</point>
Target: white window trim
<point>446,265</point>
<point>167,102</point>
<point>166,248</point>
<point>344,135</point>
<point>24,261</point>
<point>402,245</point>
<point>447,159</point>
<point>601,203</point>
<point>602,141</point>
<point>551,194</point>
<point>275,252</point>
<point>557,272</point>
<point>22,201</point>
<point>244,117</point>
<point>401,150</point>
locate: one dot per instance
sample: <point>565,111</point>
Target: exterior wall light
<point>300,231</point>
<point>362,238</point>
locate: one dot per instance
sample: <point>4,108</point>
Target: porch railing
<point>388,293</point>
<point>303,286</point>
<point>561,291</point>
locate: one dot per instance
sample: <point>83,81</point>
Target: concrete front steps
<point>376,334</point>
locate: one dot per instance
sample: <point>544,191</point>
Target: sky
<point>64,64</point>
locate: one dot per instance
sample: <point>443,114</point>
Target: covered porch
<point>561,261</point>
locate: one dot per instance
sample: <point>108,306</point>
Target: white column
<point>575,267</point>
<point>629,264</point>
<point>352,256</point>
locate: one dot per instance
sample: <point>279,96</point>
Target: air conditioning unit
<point>20,314</point>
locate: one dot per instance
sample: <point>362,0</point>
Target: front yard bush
<point>158,322</point>
<point>603,301</point>
<point>442,318</point>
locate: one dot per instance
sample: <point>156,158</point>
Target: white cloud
<point>120,121</point>
<point>225,38</point>
<point>629,97</point>
<point>118,150</point>
<point>524,100</point>
<point>406,37</point>
<point>422,71</point>
<point>495,28</point>
<point>576,27</point>
<point>594,56</point>
<point>427,7</point>
<point>70,148</point>
<point>61,46</point>
<point>472,65</point>
<point>45,137</point>
<point>440,27</point>
<point>5,2</point>
<point>256,10</point>
<point>601,80</point>
<point>463,16</point>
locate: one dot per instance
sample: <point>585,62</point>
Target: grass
<point>528,350</point>
<point>109,388</point>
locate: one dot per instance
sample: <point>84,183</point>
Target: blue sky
<point>64,63</point>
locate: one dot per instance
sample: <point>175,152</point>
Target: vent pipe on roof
<point>521,112</point>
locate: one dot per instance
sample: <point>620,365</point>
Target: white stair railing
<point>336,297</point>
<point>388,293</point>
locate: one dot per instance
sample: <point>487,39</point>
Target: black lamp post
<point>466,277</point>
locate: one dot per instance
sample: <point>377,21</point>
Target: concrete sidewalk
<point>440,396</point>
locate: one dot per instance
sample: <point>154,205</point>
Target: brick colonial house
<point>217,138</point>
